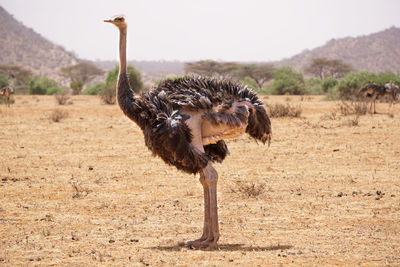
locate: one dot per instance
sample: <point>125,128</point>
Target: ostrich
<point>376,91</point>
<point>185,122</point>
<point>6,93</point>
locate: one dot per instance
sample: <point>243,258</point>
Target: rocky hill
<point>22,46</point>
<point>377,52</point>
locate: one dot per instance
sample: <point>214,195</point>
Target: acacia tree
<point>18,76</point>
<point>325,67</point>
<point>80,74</point>
<point>211,68</point>
<point>260,73</point>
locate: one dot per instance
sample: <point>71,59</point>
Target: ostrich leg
<point>206,226</point>
<point>208,179</point>
<point>211,178</point>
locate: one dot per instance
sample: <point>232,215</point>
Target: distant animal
<point>6,93</point>
<point>376,91</point>
<point>185,122</point>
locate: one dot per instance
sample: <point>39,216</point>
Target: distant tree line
<point>332,77</point>
<point>24,81</point>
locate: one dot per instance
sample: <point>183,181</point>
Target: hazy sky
<point>229,30</point>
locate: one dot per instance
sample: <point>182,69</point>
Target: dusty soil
<point>85,191</point>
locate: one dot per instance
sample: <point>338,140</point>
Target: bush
<point>279,110</point>
<point>348,87</point>
<point>76,87</point>
<point>251,83</point>
<point>95,89</point>
<point>329,83</point>
<point>62,98</point>
<point>313,86</point>
<point>3,81</point>
<point>288,81</point>
<point>134,77</point>
<point>108,93</point>
<point>43,86</point>
<point>353,108</point>
<point>58,115</point>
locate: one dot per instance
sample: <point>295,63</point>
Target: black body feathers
<point>160,113</point>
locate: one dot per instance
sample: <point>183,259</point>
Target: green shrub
<point>288,81</point>
<point>387,77</point>
<point>251,83</point>
<point>134,77</point>
<point>313,86</point>
<point>43,86</point>
<point>108,91</point>
<point>349,85</point>
<point>3,81</point>
<point>329,83</point>
<point>95,89</point>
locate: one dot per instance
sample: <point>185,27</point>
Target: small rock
<point>230,260</point>
<point>90,168</point>
<point>111,241</point>
<point>340,194</point>
<point>392,195</point>
<point>378,192</point>
<point>134,240</point>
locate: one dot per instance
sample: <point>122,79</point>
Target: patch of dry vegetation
<point>278,110</point>
<point>108,96</point>
<point>358,108</point>
<point>62,99</point>
<point>248,189</point>
<point>58,115</point>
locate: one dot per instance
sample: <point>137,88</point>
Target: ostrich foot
<point>202,243</point>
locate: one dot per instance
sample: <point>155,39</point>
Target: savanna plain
<point>78,187</point>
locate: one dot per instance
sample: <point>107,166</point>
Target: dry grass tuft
<point>331,116</point>
<point>79,191</point>
<point>58,115</point>
<point>280,110</point>
<point>249,189</point>
<point>62,98</point>
<point>108,96</point>
<point>358,108</point>
<point>352,122</point>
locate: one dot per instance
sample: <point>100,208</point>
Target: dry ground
<point>85,191</point>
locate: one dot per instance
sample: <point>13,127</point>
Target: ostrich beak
<point>107,20</point>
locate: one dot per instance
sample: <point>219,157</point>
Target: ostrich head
<point>118,21</point>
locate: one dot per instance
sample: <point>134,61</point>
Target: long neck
<point>125,95</point>
<point>122,50</point>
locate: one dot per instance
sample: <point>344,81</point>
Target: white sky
<point>228,30</point>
